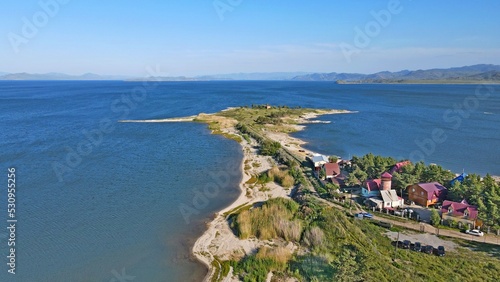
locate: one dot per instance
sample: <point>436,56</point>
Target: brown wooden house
<point>426,194</point>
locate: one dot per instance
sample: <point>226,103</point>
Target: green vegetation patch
<point>341,248</point>
<point>274,219</point>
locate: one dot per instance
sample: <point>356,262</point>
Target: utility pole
<point>350,200</point>
<point>396,248</point>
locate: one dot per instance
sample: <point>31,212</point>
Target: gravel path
<point>424,238</point>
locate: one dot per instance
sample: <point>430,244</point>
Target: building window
<point>450,210</point>
<point>466,214</point>
<point>422,193</point>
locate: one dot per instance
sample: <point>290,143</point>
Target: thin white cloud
<point>316,57</point>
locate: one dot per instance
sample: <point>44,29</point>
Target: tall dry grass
<point>314,237</point>
<point>278,254</point>
<point>281,177</point>
<point>273,220</point>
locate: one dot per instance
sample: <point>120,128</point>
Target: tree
<point>322,174</point>
<point>352,180</point>
<point>418,170</point>
<point>333,159</point>
<point>435,217</point>
<point>402,180</point>
<point>332,189</point>
<point>360,175</point>
<point>452,223</point>
<point>456,192</point>
<point>270,148</point>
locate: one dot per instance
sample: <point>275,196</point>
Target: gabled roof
<point>375,202</point>
<point>389,196</point>
<point>459,209</point>
<point>319,158</point>
<point>373,184</point>
<point>433,189</point>
<point>386,175</point>
<point>460,178</point>
<point>397,167</point>
<point>332,169</point>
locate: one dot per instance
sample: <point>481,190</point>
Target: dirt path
<point>423,227</point>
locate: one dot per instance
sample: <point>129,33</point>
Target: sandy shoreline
<point>219,241</point>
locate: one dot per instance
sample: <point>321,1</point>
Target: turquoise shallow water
<point>116,208</point>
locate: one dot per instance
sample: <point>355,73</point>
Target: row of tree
<point>371,167</point>
<point>420,173</point>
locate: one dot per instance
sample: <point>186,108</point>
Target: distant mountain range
<point>58,76</point>
<point>91,76</point>
<point>231,76</point>
<point>467,74</point>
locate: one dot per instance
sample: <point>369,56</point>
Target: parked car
<point>440,251</point>
<point>417,247</point>
<point>397,213</point>
<point>428,249</point>
<point>474,232</point>
<point>406,244</point>
<point>367,215</point>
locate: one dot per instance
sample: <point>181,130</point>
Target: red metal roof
<point>459,209</point>
<point>332,169</point>
<point>386,175</point>
<point>373,184</point>
<point>397,167</point>
<point>433,189</point>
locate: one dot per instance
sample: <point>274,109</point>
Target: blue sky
<point>191,37</point>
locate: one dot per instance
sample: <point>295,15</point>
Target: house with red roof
<point>398,167</point>
<point>372,187</point>
<point>460,212</point>
<point>427,194</point>
<point>331,170</point>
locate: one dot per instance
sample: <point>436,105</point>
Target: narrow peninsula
<point>302,216</point>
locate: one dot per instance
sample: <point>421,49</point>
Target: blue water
<point>89,211</point>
